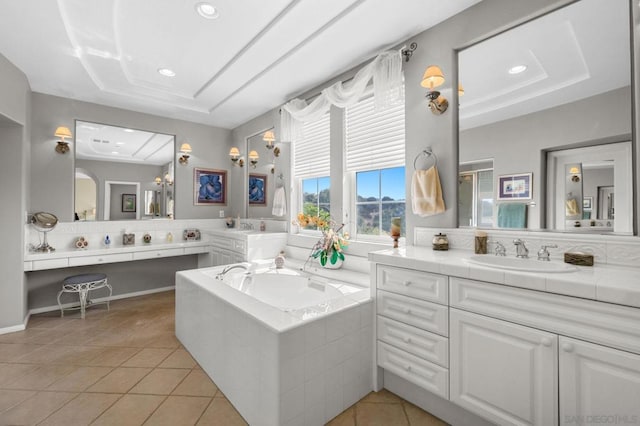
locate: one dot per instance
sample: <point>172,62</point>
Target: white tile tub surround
<point>276,367</point>
<point>607,249</point>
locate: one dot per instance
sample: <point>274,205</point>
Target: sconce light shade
<point>185,149</point>
<point>62,132</point>
<point>253,158</point>
<point>234,153</point>
<point>158,180</point>
<point>460,90</point>
<point>168,179</point>
<point>269,137</point>
<point>432,77</point>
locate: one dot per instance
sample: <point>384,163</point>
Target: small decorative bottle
<point>263,226</point>
<point>107,241</point>
<point>169,237</point>
<point>279,260</point>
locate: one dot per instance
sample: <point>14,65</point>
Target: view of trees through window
<point>380,196</point>
<point>315,198</point>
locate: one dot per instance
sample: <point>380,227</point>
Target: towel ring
<point>427,153</point>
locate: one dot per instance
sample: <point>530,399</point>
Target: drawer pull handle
<point>407,339</point>
<point>158,254</point>
<point>407,311</point>
<point>99,259</point>
<point>546,341</point>
<point>406,283</point>
<point>567,347</point>
<point>408,368</point>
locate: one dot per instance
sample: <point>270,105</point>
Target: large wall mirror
<point>261,176</point>
<point>123,173</point>
<point>545,123</point>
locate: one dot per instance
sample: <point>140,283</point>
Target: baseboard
<point>13,328</point>
<point>99,300</point>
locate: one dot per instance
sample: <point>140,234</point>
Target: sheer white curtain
<point>385,71</point>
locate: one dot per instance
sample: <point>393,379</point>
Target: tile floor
<point>126,367</point>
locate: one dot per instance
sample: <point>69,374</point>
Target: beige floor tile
<point>82,410</point>
<point>113,357</point>
<point>178,359</point>
<point>80,379</point>
<point>11,372</point>
<point>11,352</point>
<point>120,380</point>
<point>346,418</point>
<point>37,408</point>
<point>164,340</point>
<point>130,410</point>
<point>41,377</point>
<point>221,413</point>
<point>197,383</point>
<point>9,398</point>
<point>179,410</point>
<point>382,396</point>
<point>148,357</point>
<point>419,417</point>
<point>161,381</point>
<point>47,354</point>
<point>380,414</point>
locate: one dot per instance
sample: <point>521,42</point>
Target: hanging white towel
<point>279,202</point>
<point>426,193</point>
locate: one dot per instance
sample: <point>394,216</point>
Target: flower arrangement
<point>330,247</point>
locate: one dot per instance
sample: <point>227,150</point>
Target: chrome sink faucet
<point>543,253</point>
<point>521,250</point>
<point>500,249</point>
<point>229,268</point>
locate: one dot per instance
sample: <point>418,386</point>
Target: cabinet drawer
<point>197,250</point>
<point>152,254</point>
<point>424,285</point>
<point>425,315</point>
<point>413,369</point>
<point>50,264</point>
<point>429,346</point>
<point>239,246</point>
<point>105,258</point>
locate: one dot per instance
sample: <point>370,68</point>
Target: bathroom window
<point>315,198</point>
<point>374,163</point>
<point>380,195</point>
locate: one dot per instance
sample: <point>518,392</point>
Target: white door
<point>598,384</point>
<point>504,372</point>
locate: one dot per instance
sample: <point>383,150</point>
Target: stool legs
<point>60,304</point>
<point>82,294</point>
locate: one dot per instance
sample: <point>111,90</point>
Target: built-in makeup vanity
<point>509,346</point>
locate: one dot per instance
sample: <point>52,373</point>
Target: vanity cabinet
<point>412,324</point>
<point>502,371</point>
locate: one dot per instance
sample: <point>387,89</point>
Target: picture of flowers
<point>210,187</point>
<point>257,189</point>
<point>128,202</point>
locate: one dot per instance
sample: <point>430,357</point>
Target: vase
<point>330,265</point>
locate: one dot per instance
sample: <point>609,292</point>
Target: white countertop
<point>605,283</point>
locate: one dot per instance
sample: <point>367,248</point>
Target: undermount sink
<point>523,265</point>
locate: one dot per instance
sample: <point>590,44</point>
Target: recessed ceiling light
<point>115,152</point>
<point>119,143</point>
<point>517,69</point>
<point>130,130</point>
<point>207,11</point>
<point>166,72</point>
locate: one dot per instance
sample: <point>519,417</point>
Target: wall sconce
<point>63,146</point>
<point>269,137</point>
<point>158,180</point>
<point>234,153</point>
<point>253,158</point>
<point>185,149</point>
<point>167,179</point>
<point>431,79</point>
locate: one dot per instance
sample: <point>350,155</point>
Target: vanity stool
<point>83,284</point>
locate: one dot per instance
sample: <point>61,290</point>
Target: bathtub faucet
<point>229,268</point>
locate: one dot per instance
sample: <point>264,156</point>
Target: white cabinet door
<point>504,372</point>
<point>598,384</point>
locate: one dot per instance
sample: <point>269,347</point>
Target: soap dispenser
<point>279,260</point>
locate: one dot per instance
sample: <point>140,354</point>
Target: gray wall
<point>15,123</point>
<point>52,174</point>
<point>515,144</point>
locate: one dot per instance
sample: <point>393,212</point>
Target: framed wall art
<point>128,203</point>
<point>210,187</point>
<point>257,189</point>
<point>515,187</point>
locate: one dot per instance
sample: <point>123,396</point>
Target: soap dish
<point>579,259</point>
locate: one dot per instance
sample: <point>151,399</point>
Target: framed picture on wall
<point>210,187</point>
<point>257,189</point>
<point>515,187</point>
<point>128,203</point>
<point>587,203</point>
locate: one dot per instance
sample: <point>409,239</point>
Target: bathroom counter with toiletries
<point>92,256</point>
<point>601,282</point>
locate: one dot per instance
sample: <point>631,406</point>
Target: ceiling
<point>576,52</point>
<point>253,57</point>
